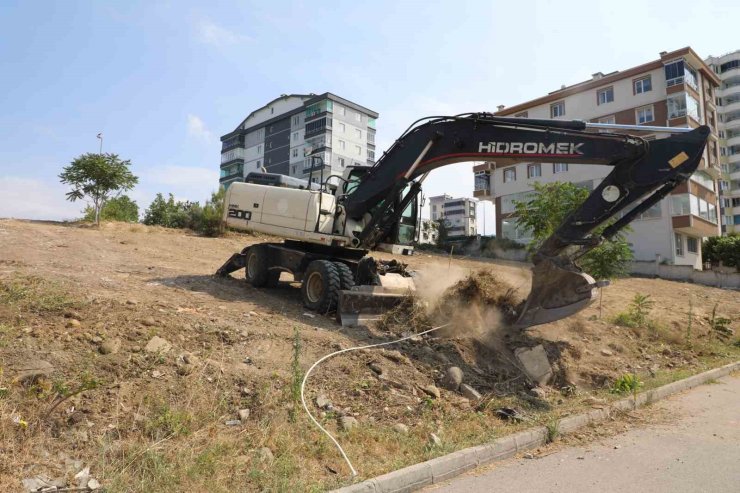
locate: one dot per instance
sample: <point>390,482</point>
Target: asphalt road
<point>697,451</point>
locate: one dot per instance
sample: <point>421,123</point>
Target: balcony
<point>694,226</point>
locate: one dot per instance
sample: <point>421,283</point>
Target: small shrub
<point>720,326</point>
<point>553,431</point>
<point>627,383</point>
<point>637,314</point>
<point>167,422</point>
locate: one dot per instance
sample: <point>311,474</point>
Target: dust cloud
<point>434,279</point>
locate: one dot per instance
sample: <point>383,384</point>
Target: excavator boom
<point>643,173</point>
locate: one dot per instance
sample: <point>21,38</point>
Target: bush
<point>637,314</point>
<point>206,220</point>
<point>725,249</point>
<point>118,209</point>
<point>627,383</point>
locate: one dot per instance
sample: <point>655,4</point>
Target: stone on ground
<point>535,364</point>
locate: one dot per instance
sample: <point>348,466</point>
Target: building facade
<point>459,214</point>
<point>678,89</point>
<point>727,68</point>
<point>274,138</point>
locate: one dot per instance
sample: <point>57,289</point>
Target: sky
<point>164,80</point>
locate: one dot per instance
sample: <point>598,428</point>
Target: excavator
<point>330,227</point>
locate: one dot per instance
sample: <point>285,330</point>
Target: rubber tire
<point>330,282</point>
<point>273,278</point>
<point>260,275</point>
<point>346,277</point>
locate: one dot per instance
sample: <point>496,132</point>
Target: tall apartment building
<point>727,67</point>
<point>459,214</point>
<point>678,89</point>
<point>275,136</point>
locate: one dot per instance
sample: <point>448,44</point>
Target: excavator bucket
<point>558,291</point>
<point>362,304</point>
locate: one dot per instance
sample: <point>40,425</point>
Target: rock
<point>434,440</point>
<point>452,379</point>
<point>73,323</point>
<point>594,401</point>
<point>401,428</point>
<point>243,414</point>
<point>538,392</point>
<point>149,322</point>
<point>93,484</point>
<point>157,345</point>
<point>347,423</point>
<point>432,391</point>
<point>396,356</point>
<point>33,370</point>
<point>157,374</point>
<point>132,302</point>
<point>322,402</point>
<point>607,352</point>
<point>110,346</point>
<point>232,422</point>
<point>264,454</point>
<point>41,482</point>
<point>469,392</point>
<point>253,314</point>
<point>535,363</point>
<point>96,340</point>
<point>72,314</point>
<point>376,368</point>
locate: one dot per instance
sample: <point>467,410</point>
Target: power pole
<point>100,136</point>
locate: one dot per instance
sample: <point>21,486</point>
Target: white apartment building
<point>459,214</point>
<point>727,67</point>
<point>275,136</point>
<point>677,89</point>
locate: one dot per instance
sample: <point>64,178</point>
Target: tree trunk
<point>97,213</point>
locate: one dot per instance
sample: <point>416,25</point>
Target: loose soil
<point>79,381</point>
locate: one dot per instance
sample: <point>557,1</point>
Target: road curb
<point>442,468</point>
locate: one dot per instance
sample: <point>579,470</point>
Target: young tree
<point>117,209</point>
<point>546,211</point>
<point>97,177</point>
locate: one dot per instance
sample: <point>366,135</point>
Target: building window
<point>294,168</point>
<point>557,109</point>
<point>340,161</point>
<point>643,85</point>
<point>674,73</point>
<point>559,168</point>
<point>358,133</point>
<point>342,127</point>
<point>509,174</point>
<point>644,114</point>
<point>259,149</point>
<point>296,119</point>
<point>270,145</point>
<point>295,136</point>
<point>523,114</point>
<point>295,152</point>
<point>358,117</point>
<point>370,154</point>
<point>370,138</point>
<point>678,240</point>
<point>534,170</point>
<point>692,245</point>
<point>605,95</point>
<point>341,110</point>
<point>259,164</point>
<point>610,120</point>
<point>358,150</point>
<point>342,145</point>
<point>272,110</point>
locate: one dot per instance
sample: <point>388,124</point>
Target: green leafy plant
<point>116,209</point>
<point>627,383</point>
<point>724,249</point>
<point>553,431</point>
<point>637,314</point>
<point>206,220</point>
<point>549,205</point>
<point>97,177</point>
<point>720,326</point>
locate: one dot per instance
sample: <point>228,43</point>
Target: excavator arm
<point>643,172</point>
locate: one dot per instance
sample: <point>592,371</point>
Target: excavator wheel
<point>256,266</point>
<point>273,278</point>
<point>321,285</point>
<point>346,277</point>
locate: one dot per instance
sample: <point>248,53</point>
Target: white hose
<point>305,378</point>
